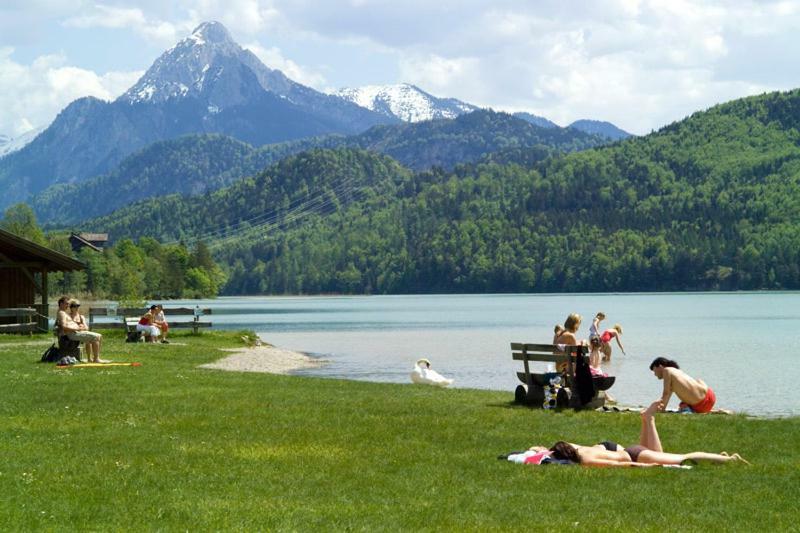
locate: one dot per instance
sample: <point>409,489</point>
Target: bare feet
<point>652,409</point>
<point>739,458</point>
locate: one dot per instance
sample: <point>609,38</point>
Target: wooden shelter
<point>24,266</point>
<point>93,241</point>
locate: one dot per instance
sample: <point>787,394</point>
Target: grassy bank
<point>170,446</point>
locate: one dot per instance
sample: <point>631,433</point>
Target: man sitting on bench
<point>74,327</point>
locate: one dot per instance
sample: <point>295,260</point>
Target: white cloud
<point>32,95</point>
<point>638,63</point>
<point>241,17</point>
<point>107,17</point>
<point>439,74</point>
<point>273,58</point>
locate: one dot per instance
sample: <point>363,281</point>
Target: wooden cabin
<point>24,266</point>
<point>93,241</point>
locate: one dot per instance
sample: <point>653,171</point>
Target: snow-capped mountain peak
<point>207,64</point>
<point>404,101</point>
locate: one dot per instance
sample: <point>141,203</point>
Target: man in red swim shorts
<point>693,393</point>
<point>703,406</point>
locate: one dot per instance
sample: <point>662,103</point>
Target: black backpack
<point>51,355</point>
<point>133,336</point>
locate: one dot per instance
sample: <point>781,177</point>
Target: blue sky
<point>640,64</point>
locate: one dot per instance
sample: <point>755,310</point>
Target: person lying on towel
<point>647,453</point>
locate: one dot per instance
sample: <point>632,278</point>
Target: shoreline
<point>263,358</point>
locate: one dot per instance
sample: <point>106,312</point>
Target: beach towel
<point>530,457</point>
<point>97,365</point>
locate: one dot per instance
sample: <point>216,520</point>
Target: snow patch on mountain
<point>182,70</point>
<point>404,101</point>
<point>10,144</point>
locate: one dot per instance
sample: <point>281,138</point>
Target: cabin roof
<point>19,250</point>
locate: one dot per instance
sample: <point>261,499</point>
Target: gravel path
<point>264,358</point>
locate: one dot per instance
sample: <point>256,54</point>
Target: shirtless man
<point>693,393</point>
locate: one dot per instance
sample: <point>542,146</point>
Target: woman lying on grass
<point>647,453</point>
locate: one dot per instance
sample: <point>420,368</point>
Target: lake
<point>744,345</point>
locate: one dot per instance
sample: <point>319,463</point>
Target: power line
<point>315,203</point>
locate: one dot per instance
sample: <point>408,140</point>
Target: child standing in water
<point>605,338</point>
<point>594,329</point>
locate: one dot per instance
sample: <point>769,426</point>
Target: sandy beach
<point>263,358</point>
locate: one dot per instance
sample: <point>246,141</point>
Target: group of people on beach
<point>600,342</point>
<point>72,324</point>
<point>694,395</point>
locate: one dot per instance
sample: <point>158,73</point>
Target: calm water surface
<point>744,345</point>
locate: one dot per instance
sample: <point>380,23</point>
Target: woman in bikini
<point>647,453</point>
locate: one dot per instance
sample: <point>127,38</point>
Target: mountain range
<point>710,202</point>
<point>405,102</point>
<point>482,202</point>
<point>409,103</point>
<point>194,164</point>
<point>208,84</point>
<point>205,84</point>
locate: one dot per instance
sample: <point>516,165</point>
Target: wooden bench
<point>532,392</point>
<point>129,317</point>
<point>18,320</point>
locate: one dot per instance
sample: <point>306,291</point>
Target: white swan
<point>423,374</point>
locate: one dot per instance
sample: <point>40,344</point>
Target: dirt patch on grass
<point>264,358</point>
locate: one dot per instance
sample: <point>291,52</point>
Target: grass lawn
<point>172,447</point>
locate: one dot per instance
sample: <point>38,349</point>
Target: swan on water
<point>423,374</point>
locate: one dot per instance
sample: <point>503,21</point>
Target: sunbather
<point>647,453</point>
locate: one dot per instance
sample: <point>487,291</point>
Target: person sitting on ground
<point>80,332</point>
<point>694,394</point>
<point>147,325</point>
<point>605,338</point>
<point>161,321</point>
<point>648,452</point>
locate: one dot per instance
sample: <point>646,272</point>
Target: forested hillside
<point>711,202</point>
<point>313,183</point>
<point>194,164</point>
<point>447,143</point>
<point>188,165</point>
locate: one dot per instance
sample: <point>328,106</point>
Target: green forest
<point>129,272</point>
<point>708,203</point>
<point>194,164</point>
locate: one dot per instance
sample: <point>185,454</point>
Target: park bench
<point>533,390</point>
<point>129,317</point>
<point>18,320</point>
